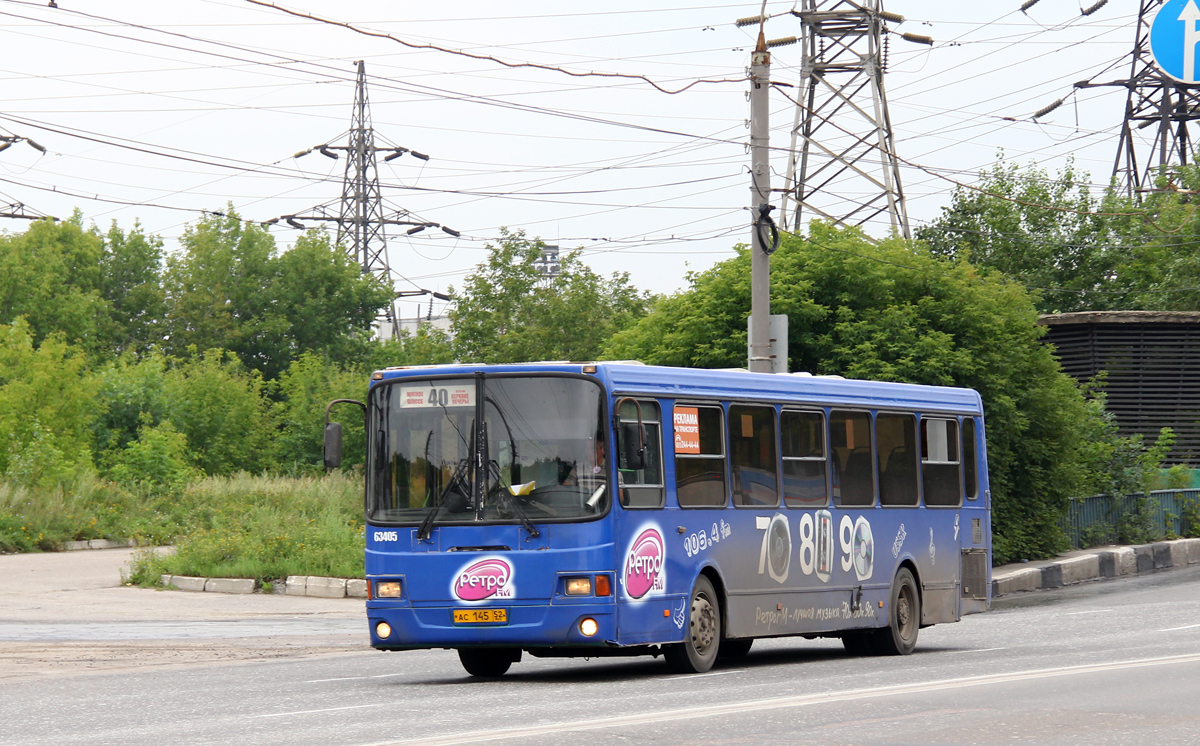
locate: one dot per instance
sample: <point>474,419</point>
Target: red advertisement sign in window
<point>687,430</point>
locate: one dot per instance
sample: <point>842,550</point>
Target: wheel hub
<point>703,625</point>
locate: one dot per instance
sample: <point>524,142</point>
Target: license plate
<point>480,616</point>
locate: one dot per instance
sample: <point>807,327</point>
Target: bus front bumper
<point>526,625</point>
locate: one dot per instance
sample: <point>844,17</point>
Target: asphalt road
<point>1106,663</point>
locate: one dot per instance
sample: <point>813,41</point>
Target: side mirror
<point>633,446</point>
<point>333,445</point>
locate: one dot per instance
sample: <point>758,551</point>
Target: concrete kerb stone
<point>325,587</point>
<point>356,588</point>
<point>296,585</point>
<point>1162,555</point>
<point>1179,552</point>
<point>1025,579</point>
<point>186,583</point>
<point>1079,569</point>
<point>75,546</point>
<point>1145,558</point>
<point>1126,560</point>
<point>1193,551</point>
<point>229,585</point>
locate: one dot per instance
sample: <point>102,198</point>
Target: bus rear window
<point>699,456</point>
<point>940,467</point>
<point>803,438</point>
<point>970,459</point>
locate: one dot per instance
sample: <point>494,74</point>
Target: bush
<point>266,528</point>
<point>222,410</point>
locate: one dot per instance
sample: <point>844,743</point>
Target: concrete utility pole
<point>760,207</point>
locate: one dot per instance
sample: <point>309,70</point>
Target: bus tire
<point>737,648</point>
<point>702,638</point>
<point>487,663</point>
<point>904,617</point>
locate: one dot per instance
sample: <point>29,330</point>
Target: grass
<point>245,526</point>
<point>266,528</point>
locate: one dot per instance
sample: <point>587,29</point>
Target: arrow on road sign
<point>1191,37</point>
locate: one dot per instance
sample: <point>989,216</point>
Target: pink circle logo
<point>485,579</point>
<point>644,564</point>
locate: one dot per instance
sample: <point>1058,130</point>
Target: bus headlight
<point>589,627</point>
<point>383,630</point>
<point>387,589</point>
<point>579,586</point>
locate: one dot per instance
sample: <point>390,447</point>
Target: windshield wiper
<point>517,510</point>
<point>457,481</point>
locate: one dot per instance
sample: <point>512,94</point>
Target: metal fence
<point>1096,518</point>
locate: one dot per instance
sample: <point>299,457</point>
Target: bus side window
<point>970,459</point>
<point>640,488</point>
<point>803,437</point>
<point>853,458</point>
<point>753,471</point>
<point>896,444</point>
<point>699,456</point>
<point>940,466</point>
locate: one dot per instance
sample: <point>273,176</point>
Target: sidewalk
<point>1096,563</point>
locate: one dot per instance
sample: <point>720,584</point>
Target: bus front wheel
<point>904,617</point>
<point>487,663</point>
<point>698,651</point>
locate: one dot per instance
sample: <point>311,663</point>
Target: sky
<point>153,112</point>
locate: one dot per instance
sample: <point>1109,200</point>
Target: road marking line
<point>1093,611</point>
<point>777,703</point>
<point>344,678</point>
<point>702,675</point>
<point>981,650</point>
<point>310,712</point>
<point>1186,626</point>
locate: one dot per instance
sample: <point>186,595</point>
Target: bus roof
<point>627,377</point>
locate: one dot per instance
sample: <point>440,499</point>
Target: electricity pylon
<point>1155,100</point>
<point>843,164</point>
<point>359,214</point>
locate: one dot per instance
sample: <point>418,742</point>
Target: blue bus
<point>615,508</point>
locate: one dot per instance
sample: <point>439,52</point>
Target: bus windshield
<point>498,449</point>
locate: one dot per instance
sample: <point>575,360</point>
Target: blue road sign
<point>1174,35</point>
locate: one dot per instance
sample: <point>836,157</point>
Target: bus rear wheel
<point>904,617</point>
<point>488,663</point>
<point>698,651</point>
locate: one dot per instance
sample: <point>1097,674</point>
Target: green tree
<point>131,395</point>
<point>50,275</point>
<point>230,289</point>
<point>1077,247</point>
<point>429,346</point>
<point>131,280</point>
<point>222,410</point>
<point>47,406</point>
<point>891,312</point>
<point>330,305</point>
<point>306,388</point>
<point>507,312</point>
<point>215,292</point>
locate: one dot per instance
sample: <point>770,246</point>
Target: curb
<point>296,585</point>
<point>1098,564</point>
<point>74,546</point>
